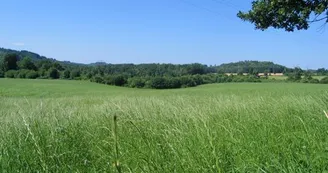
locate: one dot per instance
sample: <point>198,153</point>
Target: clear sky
<point>147,31</point>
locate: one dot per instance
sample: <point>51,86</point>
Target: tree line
<point>157,76</point>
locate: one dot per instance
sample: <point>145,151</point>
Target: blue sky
<point>148,31</point>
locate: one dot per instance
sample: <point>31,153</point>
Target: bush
<point>43,74</point>
<point>238,79</point>
<point>53,73</point>
<point>22,73</point>
<point>304,80</point>
<point>324,80</point>
<point>75,74</point>
<point>97,79</point>
<point>158,83</point>
<point>88,76</point>
<point>66,74</point>
<point>173,83</point>
<point>136,82</point>
<point>223,79</point>
<point>2,74</point>
<point>108,80</point>
<point>32,74</point>
<point>119,80</point>
<point>314,81</point>
<point>11,74</point>
<point>206,79</point>
<point>187,81</point>
<point>199,79</point>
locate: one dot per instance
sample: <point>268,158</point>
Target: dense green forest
<point>252,66</point>
<point>25,64</point>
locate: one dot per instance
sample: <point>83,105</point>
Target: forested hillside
<point>252,66</point>
<point>25,64</point>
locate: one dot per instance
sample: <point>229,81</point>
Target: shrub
<point>2,74</point>
<point>158,83</point>
<point>109,80</point>
<point>88,76</point>
<point>75,74</point>
<point>206,79</point>
<point>53,73</point>
<point>119,80</point>
<point>324,80</point>
<point>11,74</point>
<point>199,79</point>
<point>43,74</point>
<point>187,81</point>
<point>314,80</point>
<point>22,73</point>
<point>66,74</point>
<point>136,82</point>
<point>32,74</point>
<point>238,79</point>
<point>173,83</point>
<point>97,79</point>
<point>304,80</point>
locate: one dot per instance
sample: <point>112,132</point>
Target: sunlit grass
<point>285,77</point>
<point>67,126</point>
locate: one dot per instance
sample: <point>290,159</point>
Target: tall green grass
<point>68,126</point>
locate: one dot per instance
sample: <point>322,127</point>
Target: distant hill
<point>250,66</point>
<point>98,63</point>
<point>34,56</point>
<point>23,53</point>
<point>234,67</point>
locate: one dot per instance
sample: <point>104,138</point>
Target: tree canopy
<point>157,76</point>
<point>10,62</point>
<point>286,14</point>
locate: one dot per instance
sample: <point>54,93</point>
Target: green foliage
<point>32,74</point>
<point>288,15</point>
<point>324,80</point>
<point>11,74</point>
<point>98,79</point>
<point>57,66</point>
<point>26,63</point>
<point>2,74</point>
<point>296,75</point>
<point>173,82</point>
<point>187,81</point>
<point>159,76</point>
<point>44,64</point>
<point>66,74</point>
<point>250,67</point>
<point>308,78</point>
<point>322,72</point>
<point>136,82</point>
<point>22,54</point>
<point>196,68</point>
<point>10,62</point>
<point>119,80</point>
<point>88,75</point>
<point>158,83</point>
<point>53,73</point>
<point>75,74</point>
<point>2,65</point>
<point>22,73</point>
<point>314,81</point>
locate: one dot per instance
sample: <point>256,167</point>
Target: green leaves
<point>282,14</point>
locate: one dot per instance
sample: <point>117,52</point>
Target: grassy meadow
<point>78,126</point>
<point>285,77</point>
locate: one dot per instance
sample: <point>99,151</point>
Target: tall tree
<point>10,62</point>
<point>53,73</point>
<point>286,14</point>
<point>26,63</point>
